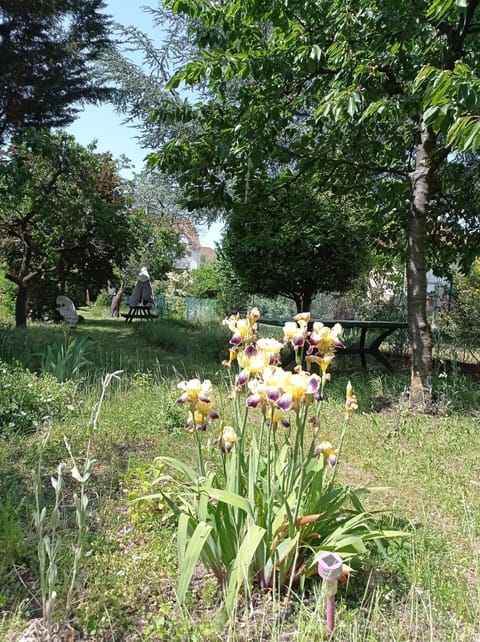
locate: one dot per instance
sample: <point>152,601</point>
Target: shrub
<point>103,300</point>
<point>461,323</point>
<point>28,400</point>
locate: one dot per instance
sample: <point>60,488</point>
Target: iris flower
<point>227,439</point>
<point>351,404</point>
<point>328,453</point>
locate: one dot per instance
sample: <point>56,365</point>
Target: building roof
<point>187,229</point>
<point>208,253</point>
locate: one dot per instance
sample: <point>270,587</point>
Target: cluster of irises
<point>275,391</point>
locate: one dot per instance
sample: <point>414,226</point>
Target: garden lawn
<point>426,469</point>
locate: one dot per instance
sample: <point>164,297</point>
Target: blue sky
<point>102,124</point>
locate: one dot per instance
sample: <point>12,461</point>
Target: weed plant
<point>28,401</point>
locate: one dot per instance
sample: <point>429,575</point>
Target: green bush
<point>461,323</point>
<point>28,400</point>
<point>8,291</point>
<point>103,300</point>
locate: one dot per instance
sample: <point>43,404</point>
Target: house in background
<point>195,253</point>
<point>207,254</point>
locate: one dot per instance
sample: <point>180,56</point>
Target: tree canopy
<point>62,212</point>
<point>295,240</point>
<point>47,53</point>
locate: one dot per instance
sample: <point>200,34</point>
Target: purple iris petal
<point>285,401</point>
<point>298,340</point>
<point>273,393</point>
<point>213,414</point>
<point>253,401</point>
<point>250,351</point>
<point>332,460</point>
<point>243,377</point>
<point>183,398</point>
<point>236,339</point>
<point>313,384</point>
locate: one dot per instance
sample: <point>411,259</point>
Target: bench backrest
<point>67,309</point>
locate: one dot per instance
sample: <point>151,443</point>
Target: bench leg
<point>363,335</point>
<point>374,349</point>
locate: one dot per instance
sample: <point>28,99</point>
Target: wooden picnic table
<point>375,331</point>
<point>138,312</point>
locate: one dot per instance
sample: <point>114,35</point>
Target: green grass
<point>427,468</point>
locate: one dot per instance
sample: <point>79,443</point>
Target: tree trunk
<point>21,306</point>
<point>416,272</point>
<point>303,302</point>
<point>117,302</point>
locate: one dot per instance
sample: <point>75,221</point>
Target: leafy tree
<point>380,93</point>
<point>231,297</point>
<point>62,212</point>
<point>205,281</point>
<point>141,88</point>
<point>158,246</point>
<point>295,241</point>
<point>47,50</point>
<point>154,198</point>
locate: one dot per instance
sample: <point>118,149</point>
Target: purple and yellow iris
<point>196,394</point>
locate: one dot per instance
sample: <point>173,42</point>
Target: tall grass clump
<point>67,358</point>
<point>186,338</point>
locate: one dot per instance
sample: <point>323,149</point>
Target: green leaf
<point>439,8</point>
<point>180,467</point>
<point>239,571</point>
<point>182,537</point>
<point>315,52</point>
<point>465,134</point>
<point>192,555</point>
<point>78,476</point>
<point>279,555</point>
<point>225,496</point>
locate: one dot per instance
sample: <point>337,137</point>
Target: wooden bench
<point>138,312</point>
<point>375,331</point>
